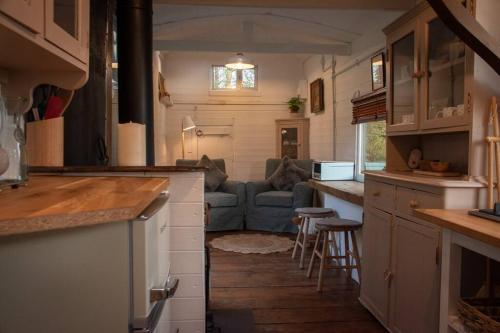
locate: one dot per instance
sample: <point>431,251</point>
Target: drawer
<point>408,199</point>
<point>380,195</point>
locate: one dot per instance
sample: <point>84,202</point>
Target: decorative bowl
<point>438,166</point>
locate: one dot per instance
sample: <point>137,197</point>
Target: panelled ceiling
<point>277,27</point>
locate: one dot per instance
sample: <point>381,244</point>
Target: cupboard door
<point>375,262</point>
<point>67,26</point>
<point>443,88</point>
<point>415,286</point>
<point>404,69</point>
<point>292,139</point>
<point>27,12</point>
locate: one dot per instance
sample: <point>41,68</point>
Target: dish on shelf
<point>438,166</point>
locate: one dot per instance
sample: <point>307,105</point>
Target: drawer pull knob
<point>376,194</point>
<point>413,204</point>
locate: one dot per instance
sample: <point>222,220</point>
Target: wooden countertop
<point>57,202</point>
<point>458,220</point>
<point>99,169</point>
<point>410,177</point>
<point>351,191</point>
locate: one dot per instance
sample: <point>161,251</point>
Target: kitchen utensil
<point>438,166</point>
<point>55,107</point>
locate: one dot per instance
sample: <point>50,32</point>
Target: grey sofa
<point>271,210</point>
<point>227,203</point>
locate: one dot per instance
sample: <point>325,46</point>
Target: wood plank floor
<point>282,299</point>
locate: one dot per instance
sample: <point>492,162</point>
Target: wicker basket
<point>480,315</point>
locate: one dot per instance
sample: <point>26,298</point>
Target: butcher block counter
<point>59,202</point>
<point>459,221</point>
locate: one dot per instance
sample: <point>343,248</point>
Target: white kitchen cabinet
<point>26,12</point>
<point>67,26</point>
<point>375,262</point>
<point>414,278</point>
<point>400,260</point>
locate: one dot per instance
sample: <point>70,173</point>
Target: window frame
<point>239,82</point>
<point>360,131</point>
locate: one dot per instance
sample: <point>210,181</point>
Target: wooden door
<point>292,138</point>
<point>415,286</point>
<point>27,12</point>
<point>404,77</point>
<point>375,262</point>
<point>67,26</point>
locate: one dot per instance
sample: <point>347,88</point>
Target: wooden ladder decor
<point>493,153</point>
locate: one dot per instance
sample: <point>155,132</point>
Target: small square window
<point>230,79</point>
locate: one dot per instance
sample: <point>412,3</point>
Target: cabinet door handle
<point>162,293</point>
<point>376,194</point>
<point>388,275</point>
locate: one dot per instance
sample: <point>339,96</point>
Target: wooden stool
<point>326,229</point>
<point>305,214</point>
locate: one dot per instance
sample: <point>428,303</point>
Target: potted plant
<point>295,104</point>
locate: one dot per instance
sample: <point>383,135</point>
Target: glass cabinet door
<point>290,142</point>
<point>66,16</point>
<point>445,67</point>
<point>403,86</point>
<point>66,25</point>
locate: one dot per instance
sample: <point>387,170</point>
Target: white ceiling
<point>264,29</point>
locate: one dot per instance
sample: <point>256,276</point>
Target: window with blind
<point>369,114</point>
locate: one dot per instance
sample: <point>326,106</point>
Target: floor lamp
<point>186,125</point>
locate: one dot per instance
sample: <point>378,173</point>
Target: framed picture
<point>317,96</point>
<point>378,71</point>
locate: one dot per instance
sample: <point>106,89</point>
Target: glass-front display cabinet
<point>292,138</point>
<point>428,66</point>
<point>444,97</point>
<point>64,26</point>
<point>404,66</point>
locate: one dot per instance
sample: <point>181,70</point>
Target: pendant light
<point>239,61</point>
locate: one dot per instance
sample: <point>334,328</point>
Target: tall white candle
<point>131,144</point>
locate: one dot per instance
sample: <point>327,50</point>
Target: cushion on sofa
<point>214,176</point>
<point>287,175</point>
<point>275,199</point>
<point>221,199</point>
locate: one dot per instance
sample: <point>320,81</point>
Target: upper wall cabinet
<point>47,44</point>
<point>429,69</point>
<point>27,12</point>
<point>66,25</point>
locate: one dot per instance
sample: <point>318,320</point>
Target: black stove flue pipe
<point>135,65</point>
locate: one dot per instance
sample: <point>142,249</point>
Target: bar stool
<point>305,214</point>
<point>326,233</point>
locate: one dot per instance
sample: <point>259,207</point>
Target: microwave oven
<point>333,170</point>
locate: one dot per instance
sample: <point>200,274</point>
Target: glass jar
<point>12,143</point>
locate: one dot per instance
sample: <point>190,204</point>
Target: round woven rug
<point>252,243</point>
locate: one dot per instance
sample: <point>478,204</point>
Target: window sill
<point>235,93</point>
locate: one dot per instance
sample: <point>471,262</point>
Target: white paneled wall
<point>324,145</point>
<point>321,124</point>
<point>253,117</point>
<point>185,242</point>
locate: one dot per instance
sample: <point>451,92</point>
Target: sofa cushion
<point>221,199</point>
<point>287,175</point>
<point>275,199</point>
<point>214,176</point>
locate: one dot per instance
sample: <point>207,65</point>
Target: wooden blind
<point>369,107</point>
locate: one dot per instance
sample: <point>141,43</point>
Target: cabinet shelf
<point>447,65</point>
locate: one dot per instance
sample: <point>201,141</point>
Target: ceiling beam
<point>331,4</point>
<point>213,46</point>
